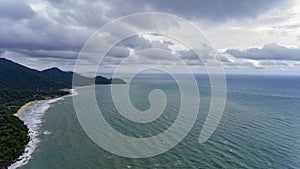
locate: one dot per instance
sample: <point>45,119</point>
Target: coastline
<point>30,146</point>
<point>23,108</point>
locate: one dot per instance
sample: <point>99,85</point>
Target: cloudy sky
<point>255,35</point>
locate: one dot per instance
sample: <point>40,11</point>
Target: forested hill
<point>18,85</point>
<point>16,76</point>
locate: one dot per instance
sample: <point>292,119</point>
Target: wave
<point>32,117</point>
<point>73,92</point>
<point>46,132</point>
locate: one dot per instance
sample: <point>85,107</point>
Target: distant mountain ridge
<point>16,76</point>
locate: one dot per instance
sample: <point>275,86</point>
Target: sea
<point>259,128</point>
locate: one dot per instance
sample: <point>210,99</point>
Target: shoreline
<point>23,108</point>
<point>31,134</point>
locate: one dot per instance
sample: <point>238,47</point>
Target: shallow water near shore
<point>32,117</point>
<point>259,129</point>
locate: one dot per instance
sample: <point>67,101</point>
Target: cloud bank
<point>268,52</point>
<point>53,32</point>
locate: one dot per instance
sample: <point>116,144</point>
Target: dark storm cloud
<point>52,54</point>
<point>61,40</point>
<point>66,26</point>
<point>80,13</point>
<point>214,10</point>
<point>15,9</point>
<point>41,33</point>
<point>136,42</point>
<point>119,52</point>
<point>188,55</point>
<point>268,52</point>
<point>1,51</point>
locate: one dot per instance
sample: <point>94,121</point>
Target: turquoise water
<point>259,129</point>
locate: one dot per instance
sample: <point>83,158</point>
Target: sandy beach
<point>21,110</point>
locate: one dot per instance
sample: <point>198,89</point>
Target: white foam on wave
<point>73,92</point>
<point>32,117</point>
<point>46,132</point>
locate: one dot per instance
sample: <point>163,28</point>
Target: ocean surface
<point>260,127</point>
